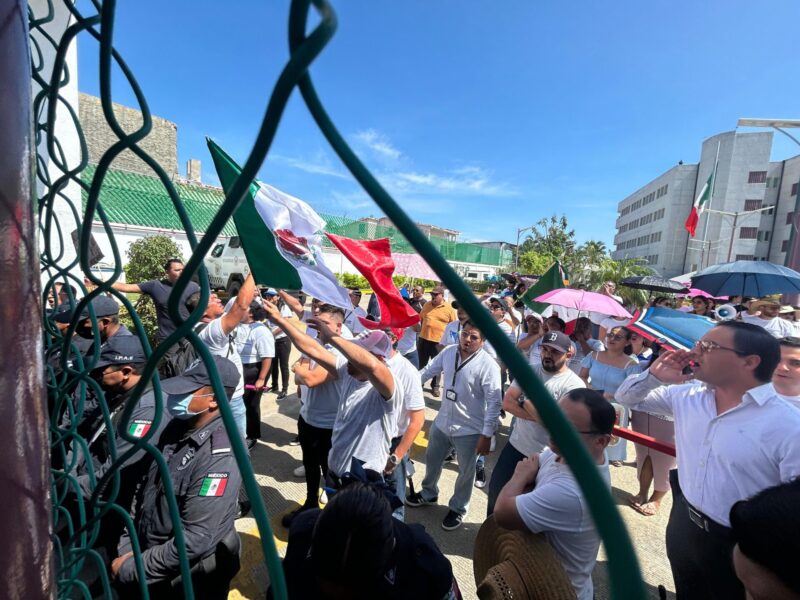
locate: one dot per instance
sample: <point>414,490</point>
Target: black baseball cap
<point>557,340</point>
<point>197,376</point>
<point>121,350</point>
<point>63,314</point>
<point>103,307</point>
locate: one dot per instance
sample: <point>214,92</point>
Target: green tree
<point>551,237</point>
<point>588,258</point>
<point>617,270</point>
<point>146,258</point>
<point>534,263</point>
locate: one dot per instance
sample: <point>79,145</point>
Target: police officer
<point>205,479</point>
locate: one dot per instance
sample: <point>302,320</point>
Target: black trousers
<point>427,350</point>
<point>252,402</point>
<point>701,561</point>
<point>315,443</point>
<point>283,348</point>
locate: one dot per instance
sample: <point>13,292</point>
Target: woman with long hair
<point>605,371</point>
<point>702,306</point>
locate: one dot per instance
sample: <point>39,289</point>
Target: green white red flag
<point>279,236</point>
<point>700,204</point>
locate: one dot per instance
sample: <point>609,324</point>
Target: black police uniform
<point>206,480</point>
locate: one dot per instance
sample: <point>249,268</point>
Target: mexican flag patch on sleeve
<point>138,428</point>
<point>214,484</point>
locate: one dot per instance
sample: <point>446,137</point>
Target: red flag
<point>373,259</point>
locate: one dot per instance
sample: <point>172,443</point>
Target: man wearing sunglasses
<point>466,420</point>
<point>734,437</point>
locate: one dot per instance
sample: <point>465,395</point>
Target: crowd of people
<point>730,405</point>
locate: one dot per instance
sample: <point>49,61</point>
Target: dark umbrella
<point>747,278</point>
<point>654,284</point>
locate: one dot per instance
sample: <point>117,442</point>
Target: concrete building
<point>450,235</point>
<point>759,195</point>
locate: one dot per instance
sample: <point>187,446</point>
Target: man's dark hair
<point>353,538</point>
<point>71,288</point>
<point>789,341</point>
<point>169,263</point>
<point>330,309</point>
<point>601,412</point>
<point>558,321</point>
<point>471,323</point>
<point>766,528</point>
<point>751,339</point>
<point>192,301</point>
<point>257,312</point>
<point>354,290</point>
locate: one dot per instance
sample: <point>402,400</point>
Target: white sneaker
<point>299,471</point>
<point>323,498</point>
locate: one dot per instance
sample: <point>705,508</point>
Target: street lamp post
<point>516,253</point>
<point>736,215</point>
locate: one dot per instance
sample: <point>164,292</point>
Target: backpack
<point>183,357</point>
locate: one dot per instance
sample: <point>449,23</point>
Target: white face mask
<point>178,406</point>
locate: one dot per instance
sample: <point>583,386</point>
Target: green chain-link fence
<point>68,381</point>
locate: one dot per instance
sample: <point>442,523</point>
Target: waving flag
<point>279,237</point>
<point>373,259</point>
<point>553,279</point>
<point>700,204</point>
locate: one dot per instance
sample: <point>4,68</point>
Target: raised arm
<point>293,303</point>
<point>234,316</point>
<point>650,391</point>
<point>302,341</point>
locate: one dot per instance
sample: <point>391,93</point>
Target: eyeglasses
<point>615,336</point>
<point>495,307</point>
<point>707,346</point>
<point>470,336</point>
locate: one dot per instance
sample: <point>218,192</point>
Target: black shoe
<point>281,395</point>
<point>480,477</point>
<point>295,441</point>
<point>251,443</point>
<point>415,500</point>
<point>435,391</point>
<point>287,519</point>
<point>274,389</point>
<point>452,521</point>
<point>451,456</point>
<point>502,414</point>
<point>244,510</point>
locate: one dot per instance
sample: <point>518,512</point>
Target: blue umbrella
<point>673,329</point>
<point>747,278</point>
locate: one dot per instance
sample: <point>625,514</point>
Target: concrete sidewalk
<point>274,460</point>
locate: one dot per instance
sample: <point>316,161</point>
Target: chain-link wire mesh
<point>77,519</point>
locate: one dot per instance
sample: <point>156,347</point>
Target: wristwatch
<point>521,401</point>
<point>393,459</point>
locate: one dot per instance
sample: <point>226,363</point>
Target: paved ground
<point>274,460</point>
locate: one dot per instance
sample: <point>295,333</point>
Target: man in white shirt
<point>467,419</point>
<point>256,346</point>
<point>786,378</point>
<point>351,316</point>
<point>452,331</point>
<point>365,420</point>
<point>529,436</point>
<point>764,313</point>
<point>556,506</point>
<point>410,416</point>
<point>734,437</point>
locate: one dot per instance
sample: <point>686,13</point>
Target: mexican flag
<point>214,484</point>
<point>553,279</point>
<point>138,428</point>
<point>279,237</point>
<point>700,204</point>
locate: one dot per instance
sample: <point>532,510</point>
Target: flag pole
<point>703,254</point>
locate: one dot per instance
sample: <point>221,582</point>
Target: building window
<point>794,189</point>
<point>757,177</point>
<point>748,233</point>
<point>785,246</point>
<point>789,218</point>
<point>752,204</point>
<point>744,257</point>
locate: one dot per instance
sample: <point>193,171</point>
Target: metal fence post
<point>26,552</point>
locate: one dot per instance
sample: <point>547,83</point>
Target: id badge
<point>451,395</point>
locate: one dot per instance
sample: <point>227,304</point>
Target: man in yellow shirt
<point>435,316</point>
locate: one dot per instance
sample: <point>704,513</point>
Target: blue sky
<point>477,116</point>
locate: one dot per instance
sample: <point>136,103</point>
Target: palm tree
<point>617,270</point>
<point>587,258</point>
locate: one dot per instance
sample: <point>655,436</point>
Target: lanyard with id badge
<point>450,393</point>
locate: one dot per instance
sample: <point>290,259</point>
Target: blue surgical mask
<point>178,406</point>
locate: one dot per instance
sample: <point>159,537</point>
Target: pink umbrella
<point>413,265</point>
<point>695,292</point>
<point>583,300</point>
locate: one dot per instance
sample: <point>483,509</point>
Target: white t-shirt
<point>286,313</point>
<point>321,403</point>
<point>530,437</point>
<point>254,342</point>
<point>220,344</point>
<point>352,322</point>
<point>557,508</point>
<point>364,425</point>
<point>451,333</point>
<point>776,326</point>
<point>413,399</point>
<point>407,343</point>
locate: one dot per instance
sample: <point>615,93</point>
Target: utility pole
<point>736,215</point>
<point>516,252</point>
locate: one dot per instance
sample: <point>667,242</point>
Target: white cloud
<point>378,143</point>
<point>348,201</point>
<point>317,166</point>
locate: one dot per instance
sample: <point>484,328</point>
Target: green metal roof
<point>136,199</point>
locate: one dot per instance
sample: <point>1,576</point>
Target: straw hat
<point>756,305</point>
<point>516,564</point>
